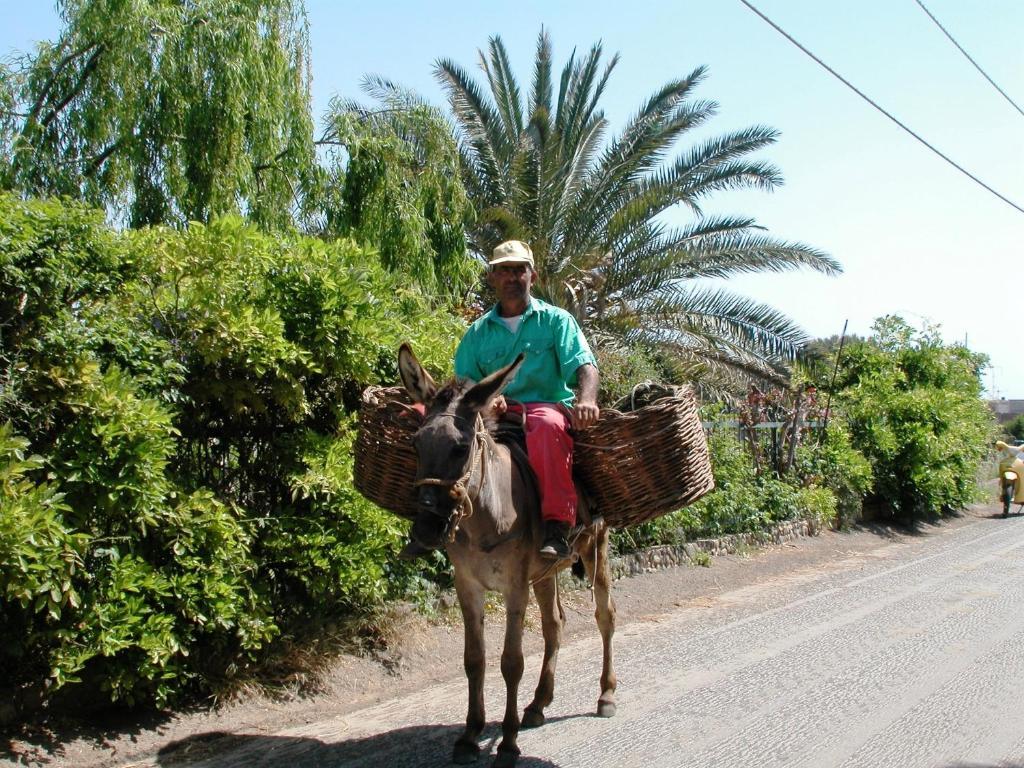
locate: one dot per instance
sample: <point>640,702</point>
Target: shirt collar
<point>531,307</point>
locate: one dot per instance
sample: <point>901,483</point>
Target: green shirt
<point>552,340</point>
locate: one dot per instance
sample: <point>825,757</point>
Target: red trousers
<point>549,448</point>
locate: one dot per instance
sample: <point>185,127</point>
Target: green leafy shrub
<point>350,559</point>
<point>40,561</point>
<point>915,411</point>
<point>58,265</point>
<point>832,462</point>
<point>1015,427</point>
<point>819,505</point>
<point>188,398</point>
<point>742,502</point>
<point>623,367</point>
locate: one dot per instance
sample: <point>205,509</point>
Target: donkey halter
<point>458,489</point>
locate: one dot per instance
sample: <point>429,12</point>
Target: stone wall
<point>666,556</point>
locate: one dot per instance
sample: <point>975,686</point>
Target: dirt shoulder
<point>427,651</point>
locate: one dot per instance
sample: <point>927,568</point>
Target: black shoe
<point>555,545</point>
<point>414,549</point>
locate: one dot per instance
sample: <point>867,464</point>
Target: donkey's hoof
<point>532,718</point>
<point>506,758</point>
<point>465,752</point>
<point>606,709</point>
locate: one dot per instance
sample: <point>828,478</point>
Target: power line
<point>866,98</point>
<point>968,57</point>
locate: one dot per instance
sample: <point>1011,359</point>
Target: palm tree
<point>543,171</point>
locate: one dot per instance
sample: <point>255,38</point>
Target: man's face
<point>511,282</point>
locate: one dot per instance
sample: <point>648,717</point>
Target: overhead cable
<point>874,104</point>
<point>968,57</point>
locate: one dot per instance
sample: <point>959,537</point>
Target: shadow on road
<point>421,745</point>
<point>42,741</point>
<point>995,511</point>
<point>896,527</point>
<point>894,530</point>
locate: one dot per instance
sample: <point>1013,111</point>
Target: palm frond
<point>577,98</point>
<point>721,249</point>
<point>479,124</point>
<point>393,94</point>
<point>723,254</point>
<point>636,152</point>
<point>599,89</point>
<point>504,89</point>
<point>720,373</point>
<point>569,179</point>
<point>754,326</point>
<point>540,96</point>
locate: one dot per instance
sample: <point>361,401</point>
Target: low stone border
<point>668,556</point>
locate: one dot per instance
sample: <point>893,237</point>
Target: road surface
<point>912,655</point>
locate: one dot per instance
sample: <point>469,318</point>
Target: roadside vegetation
<point>1015,427</point>
<point>194,291</point>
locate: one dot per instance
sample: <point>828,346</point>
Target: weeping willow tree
<point>541,165</point>
<point>165,111</point>
<point>391,178</point>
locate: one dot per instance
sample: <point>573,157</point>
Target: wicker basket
<point>385,462</point>
<point>636,464</point>
<point>644,463</point>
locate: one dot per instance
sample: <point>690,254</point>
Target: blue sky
<point>914,236</point>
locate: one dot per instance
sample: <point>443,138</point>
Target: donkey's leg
<point>471,600</point>
<point>512,670</point>
<point>600,576</point>
<point>552,620</point>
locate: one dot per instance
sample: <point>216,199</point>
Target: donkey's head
<point>446,445</point>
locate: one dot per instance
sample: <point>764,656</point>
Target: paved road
<point>910,656</point>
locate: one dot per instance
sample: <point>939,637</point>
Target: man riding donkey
<point>557,357</point>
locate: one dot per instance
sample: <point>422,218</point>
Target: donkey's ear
<point>417,381</point>
<point>490,387</point>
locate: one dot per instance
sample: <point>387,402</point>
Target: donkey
<point>480,504</point>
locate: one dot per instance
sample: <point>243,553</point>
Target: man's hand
<point>584,414</point>
<point>499,407</point>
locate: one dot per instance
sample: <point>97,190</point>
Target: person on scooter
<point>1011,451</point>
<point>1011,468</point>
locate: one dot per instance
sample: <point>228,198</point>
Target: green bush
<point>915,411</point>
<point>622,368</point>
<point>742,502</point>
<point>178,489</point>
<point>40,561</point>
<point>1015,427</point>
<point>832,462</point>
<point>818,504</point>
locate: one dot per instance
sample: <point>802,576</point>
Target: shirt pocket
<point>541,364</point>
<point>493,358</point>
<point>537,349</point>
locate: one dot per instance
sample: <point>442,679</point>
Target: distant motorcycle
<point>1011,476</point>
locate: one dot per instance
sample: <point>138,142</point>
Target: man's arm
<point>1011,450</point>
<point>585,411</point>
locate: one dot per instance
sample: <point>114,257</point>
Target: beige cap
<point>512,252</point>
